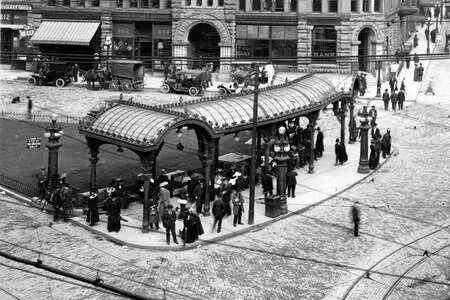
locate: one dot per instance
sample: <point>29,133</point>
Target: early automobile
<point>52,73</point>
<point>191,82</point>
<point>227,88</point>
<point>127,74</point>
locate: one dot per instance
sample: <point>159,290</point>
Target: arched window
<point>323,48</point>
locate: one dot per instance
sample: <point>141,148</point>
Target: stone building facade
<point>309,35</point>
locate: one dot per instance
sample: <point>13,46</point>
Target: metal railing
<point>43,118</point>
<point>19,185</point>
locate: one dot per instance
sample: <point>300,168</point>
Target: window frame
<point>316,6</point>
<point>319,42</point>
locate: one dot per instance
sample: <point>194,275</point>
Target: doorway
<point>204,46</point>
<point>366,49</point>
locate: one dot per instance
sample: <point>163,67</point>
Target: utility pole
<point>251,205</point>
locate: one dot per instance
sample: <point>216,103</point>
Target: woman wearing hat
<point>92,215</point>
<point>163,197</point>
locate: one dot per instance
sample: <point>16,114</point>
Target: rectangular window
<point>317,6</point>
<point>268,5</point>
<point>188,3</point>
<point>144,3</point>
<point>365,7</point>
<point>133,3</point>
<point>332,6</point>
<point>51,2</point>
<point>354,6</point>
<point>279,5</point>
<point>66,3</point>
<point>256,5</point>
<point>323,48</point>
<point>220,3</point>
<point>169,3</point>
<point>199,2</point>
<point>209,2</point>
<point>294,5</point>
<point>81,3</point>
<point>241,32</point>
<point>155,3</point>
<point>377,5</point>
<point>242,4</point>
<point>95,3</point>
<point>119,3</point>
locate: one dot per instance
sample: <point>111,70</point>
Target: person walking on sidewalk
<point>218,211</point>
<point>393,83</point>
<point>355,219</point>
<point>29,107</point>
<point>386,98</point>
<point>291,182</point>
<point>373,115</point>
<point>319,143</point>
<point>238,207</point>
<point>386,144</point>
<point>416,58</point>
<point>401,98</point>
<point>430,87</point>
<point>92,216</point>
<point>420,72</point>
<point>397,56</point>
<point>427,34</point>
<point>168,219</point>
<point>407,61</point>
<point>363,80</point>
<point>402,84</point>
<point>394,100</point>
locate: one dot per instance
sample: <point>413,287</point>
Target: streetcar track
<point>397,282</point>
<point>350,289</point>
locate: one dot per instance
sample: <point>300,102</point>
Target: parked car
<point>192,83</point>
<point>52,73</point>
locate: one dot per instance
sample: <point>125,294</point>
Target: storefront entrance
<point>204,46</point>
<point>365,49</point>
<point>6,46</point>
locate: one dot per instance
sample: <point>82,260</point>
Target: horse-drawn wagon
<point>127,74</point>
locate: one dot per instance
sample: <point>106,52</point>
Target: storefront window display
<point>324,40</point>
<point>266,41</point>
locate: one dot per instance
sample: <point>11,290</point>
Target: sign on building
<point>33,142</point>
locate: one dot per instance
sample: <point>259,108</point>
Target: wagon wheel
<point>165,88</point>
<point>126,86</point>
<point>222,91</point>
<point>193,91</point>
<point>32,81</point>
<point>114,85</point>
<point>60,82</point>
<point>138,86</point>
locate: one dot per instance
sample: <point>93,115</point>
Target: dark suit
<point>168,220</point>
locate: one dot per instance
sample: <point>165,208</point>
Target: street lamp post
<point>107,46</point>
<point>436,7</point>
<point>428,36</point>
<point>364,129</point>
<point>353,131</point>
<point>53,133</point>
<point>281,148</point>
<point>442,10</point>
<point>378,79</point>
<point>251,205</point>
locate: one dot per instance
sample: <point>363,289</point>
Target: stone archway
<point>203,46</point>
<point>366,49</point>
<point>181,39</point>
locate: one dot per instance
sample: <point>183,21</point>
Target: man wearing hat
<point>92,216</point>
<point>386,99</point>
<point>319,143</point>
<point>168,220</point>
<point>386,143</point>
<point>163,197</point>
<point>373,114</point>
<point>42,183</point>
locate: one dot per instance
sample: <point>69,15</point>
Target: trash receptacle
<point>272,204</point>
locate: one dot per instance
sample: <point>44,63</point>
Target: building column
<point>304,33</point>
<point>94,147</point>
<point>311,127</point>
<point>360,6</point>
<point>371,6</point>
<point>225,57</point>
<point>324,6</point>
<point>248,5</point>
<point>149,163</point>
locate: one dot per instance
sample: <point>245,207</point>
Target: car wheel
<point>165,88</point>
<point>126,86</point>
<point>60,82</point>
<point>193,91</point>
<point>32,81</point>
<point>222,91</point>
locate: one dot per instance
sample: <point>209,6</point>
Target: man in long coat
<point>238,207</point>
<point>42,184</point>
<point>386,98</point>
<point>291,182</point>
<point>199,196</point>
<point>386,143</point>
<point>401,98</point>
<point>319,143</point>
<point>92,216</point>
<point>163,198</point>
<point>218,211</point>
<point>394,100</point>
<point>169,218</point>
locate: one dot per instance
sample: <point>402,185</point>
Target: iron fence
<point>19,185</point>
<point>42,118</point>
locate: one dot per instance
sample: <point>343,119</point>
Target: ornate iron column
<point>353,130</point>
<point>281,148</point>
<point>53,133</point>
<point>364,128</point>
<point>93,151</point>
<point>311,127</point>
<point>149,162</point>
<point>206,155</point>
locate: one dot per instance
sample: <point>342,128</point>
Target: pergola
<point>142,128</point>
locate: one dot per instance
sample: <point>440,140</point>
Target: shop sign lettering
<point>162,31</point>
<point>33,142</point>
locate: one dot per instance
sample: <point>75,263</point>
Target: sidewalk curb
<point>229,235</point>
<point>200,242</point>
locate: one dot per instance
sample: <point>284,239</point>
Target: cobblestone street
<point>405,201</point>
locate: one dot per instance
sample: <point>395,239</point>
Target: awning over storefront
<point>65,32</point>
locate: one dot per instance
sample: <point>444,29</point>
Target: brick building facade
<point>310,35</point>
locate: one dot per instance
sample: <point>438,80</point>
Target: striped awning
<point>65,32</point>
